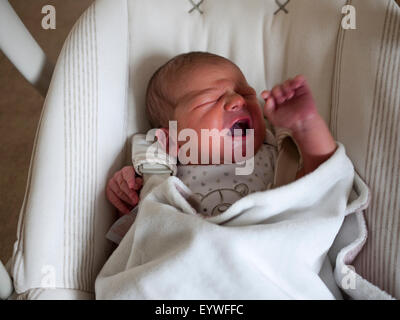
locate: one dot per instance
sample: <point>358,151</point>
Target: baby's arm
<point>292,106</point>
<point>316,144</point>
<point>123,189</point>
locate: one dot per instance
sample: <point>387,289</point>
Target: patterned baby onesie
<point>217,187</point>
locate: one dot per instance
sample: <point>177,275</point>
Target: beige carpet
<point>20,107</point>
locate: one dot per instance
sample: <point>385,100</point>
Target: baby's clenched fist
<point>123,189</point>
<point>290,105</point>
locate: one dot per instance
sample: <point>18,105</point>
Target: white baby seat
<point>96,102</point>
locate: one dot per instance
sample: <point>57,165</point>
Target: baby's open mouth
<point>242,125</point>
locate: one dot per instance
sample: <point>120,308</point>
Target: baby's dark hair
<point>159,106</point>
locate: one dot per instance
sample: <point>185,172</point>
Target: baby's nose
<point>234,102</point>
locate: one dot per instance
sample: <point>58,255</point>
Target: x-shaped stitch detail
<point>281,6</point>
<point>196,6</point>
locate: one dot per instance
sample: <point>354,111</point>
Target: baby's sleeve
<point>288,161</point>
<point>149,158</point>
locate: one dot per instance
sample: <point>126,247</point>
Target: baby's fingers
<point>128,195</point>
<point>116,202</point>
<point>128,174</point>
<point>298,81</point>
<point>269,107</point>
<point>119,191</point>
<point>138,183</point>
<point>278,94</point>
<point>265,94</point>
<point>287,89</point>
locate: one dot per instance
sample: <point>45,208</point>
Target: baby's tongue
<point>239,126</point>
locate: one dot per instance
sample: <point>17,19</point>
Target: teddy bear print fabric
<point>217,187</point>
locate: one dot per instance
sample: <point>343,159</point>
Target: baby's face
<point>217,96</point>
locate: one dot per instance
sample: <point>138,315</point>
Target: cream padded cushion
<point>80,142</point>
<point>365,116</point>
<point>96,102</point>
<point>268,48</point>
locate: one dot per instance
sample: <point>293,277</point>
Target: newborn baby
<point>200,90</point>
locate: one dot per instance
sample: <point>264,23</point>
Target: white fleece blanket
<point>268,245</point>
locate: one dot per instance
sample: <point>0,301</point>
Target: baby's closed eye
<point>207,100</point>
<point>203,104</point>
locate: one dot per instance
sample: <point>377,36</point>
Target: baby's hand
<point>290,105</point>
<point>122,189</point>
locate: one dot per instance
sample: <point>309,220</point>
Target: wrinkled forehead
<point>203,74</point>
<point>212,66</point>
